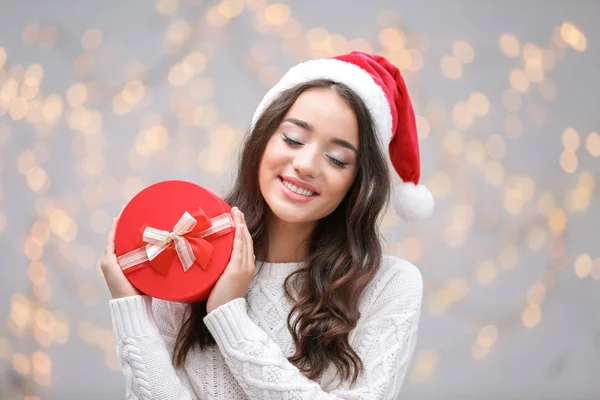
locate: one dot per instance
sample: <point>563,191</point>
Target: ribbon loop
<point>189,247</point>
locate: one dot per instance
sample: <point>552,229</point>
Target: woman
<point>308,307</point>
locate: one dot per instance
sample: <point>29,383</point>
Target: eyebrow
<point>305,125</point>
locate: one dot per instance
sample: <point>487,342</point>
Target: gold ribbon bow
<point>190,247</point>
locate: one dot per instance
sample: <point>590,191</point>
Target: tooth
<point>297,190</point>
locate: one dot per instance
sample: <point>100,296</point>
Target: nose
<point>306,163</point>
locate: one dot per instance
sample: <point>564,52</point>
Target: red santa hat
<point>383,90</point>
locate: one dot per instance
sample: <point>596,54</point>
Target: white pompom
<point>413,202</point>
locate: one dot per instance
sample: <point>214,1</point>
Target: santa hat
<point>383,90</point>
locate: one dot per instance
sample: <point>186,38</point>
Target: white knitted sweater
<point>253,343</point>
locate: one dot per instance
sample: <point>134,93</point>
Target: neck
<point>288,242</point>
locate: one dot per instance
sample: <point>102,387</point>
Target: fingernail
<point>243,217</point>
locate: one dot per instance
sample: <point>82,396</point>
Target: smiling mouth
<point>296,189</point>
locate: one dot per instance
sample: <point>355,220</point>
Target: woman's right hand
<point>118,284</point>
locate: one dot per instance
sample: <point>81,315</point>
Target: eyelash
<point>293,143</point>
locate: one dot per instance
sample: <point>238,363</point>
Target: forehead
<point>328,113</point>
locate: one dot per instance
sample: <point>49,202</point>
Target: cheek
<point>340,183</point>
<point>270,160</point>
<point>275,154</point>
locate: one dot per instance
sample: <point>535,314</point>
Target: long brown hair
<point>345,248</point>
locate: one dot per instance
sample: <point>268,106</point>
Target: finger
<point>249,247</point>
<point>110,240</point>
<point>249,237</point>
<point>244,246</point>
<point>240,227</point>
<point>238,242</point>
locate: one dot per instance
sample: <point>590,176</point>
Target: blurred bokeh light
<point>98,100</point>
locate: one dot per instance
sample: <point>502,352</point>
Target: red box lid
<point>161,206</point>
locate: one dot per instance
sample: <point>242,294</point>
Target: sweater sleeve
<point>143,351</point>
<point>384,340</point>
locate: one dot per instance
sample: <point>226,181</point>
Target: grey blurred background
<point>99,99</point>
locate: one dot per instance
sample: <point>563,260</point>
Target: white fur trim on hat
<point>413,202</point>
<point>344,72</point>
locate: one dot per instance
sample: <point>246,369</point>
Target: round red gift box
<point>160,206</point>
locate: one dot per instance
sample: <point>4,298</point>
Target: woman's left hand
<point>238,273</point>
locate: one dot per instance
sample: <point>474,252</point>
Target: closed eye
<point>338,163</point>
<point>291,142</point>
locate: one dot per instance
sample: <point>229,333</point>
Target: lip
<point>300,184</point>
<point>293,196</point>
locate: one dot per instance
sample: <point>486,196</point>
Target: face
<point>310,162</point>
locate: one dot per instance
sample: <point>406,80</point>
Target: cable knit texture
<point>253,343</point>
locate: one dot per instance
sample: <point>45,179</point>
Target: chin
<point>292,214</point>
